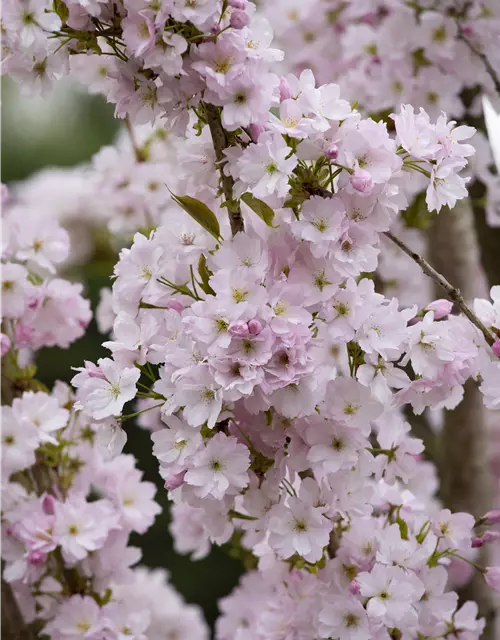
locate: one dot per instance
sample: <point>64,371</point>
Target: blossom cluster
<point>149,59</point>
<point>438,56</point>
<point>280,374</point>
<point>68,509</point>
<point>39,309</point>
<point>246,323</point>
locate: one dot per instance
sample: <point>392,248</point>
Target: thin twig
<point>452,292</point>
<point>219,140</point>
<point>139,156</point>
<point>487,64</point>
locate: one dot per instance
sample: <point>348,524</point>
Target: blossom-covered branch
<point>452,292</point>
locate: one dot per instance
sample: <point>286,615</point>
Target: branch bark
<point>220,143</point>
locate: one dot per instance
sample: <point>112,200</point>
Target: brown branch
<point>452,292</point>
<point>487,64</point>
<point>139,154</point>
<point>220,143</point>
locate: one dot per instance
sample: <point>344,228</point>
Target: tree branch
<point>452,292</point>
<point>487,64</point>
<point>220,143</point>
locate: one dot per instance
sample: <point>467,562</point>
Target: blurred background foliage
<point>66,128</point>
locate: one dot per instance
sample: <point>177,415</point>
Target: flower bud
<point>256,130</point>
<point>49,505</point>
<point>239,19</point>
<point>362,181</point>
<point>23,335</point>
<point>174,481</point>
<point>285,90</point>
<point>176,305</point>
<point>491,517</point>
<point>238,329</point>
<point>441,308</point>
<point>255,327</point>
<point>495,347</point>
<point>332,152</point>
<point>4,344</point>
<point>354,588</point>
<point>215,28</point>
<point>37,558</point>
<point>477,543</point>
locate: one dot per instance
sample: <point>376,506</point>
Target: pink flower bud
<point>238,329</point>
<point>332,152</point>
<point>49,505</point>
<point>4,344</point>
<point>362,181</point>
<point>175,481</point>
<point>23,335</point>
<point>495,347</point>
<point>239,19</point>
<point>492,577</point>
<point>285,90</point>
<point>237,4</point>
<point>215,28</point>
<point>491,517</point>
<point>176,305</point>
<point>37,558</point>
<point>467,30</point>
<point>490,536</point>
<point>255,327</point>
<point>441,308</point>
<point>354,588</point>
<point>256,130</point>
<point>477,543</point>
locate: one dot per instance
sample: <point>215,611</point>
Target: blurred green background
<point>66,128</point>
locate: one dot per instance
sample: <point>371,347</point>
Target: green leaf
<point>262,209</point>
<point>205,274</point>
<point>62,10</point>
<point>201,213</point>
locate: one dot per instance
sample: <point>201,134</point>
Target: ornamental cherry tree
<point>247,327</point>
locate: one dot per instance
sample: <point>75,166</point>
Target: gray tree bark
<point>464,465</point>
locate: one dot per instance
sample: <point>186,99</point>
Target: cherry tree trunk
<point>464,464</point>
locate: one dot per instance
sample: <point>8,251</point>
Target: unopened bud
<point>477,543</point>
<point>239,19</point>
<point>23,335</point>
<point>176,305</point>
<point>238,329</point>
<point>285,90</point>
<point>332,152</point>
<point>175,481</point>
<point>441,308</point>
<point>37,558</point>
<point>256,130</point>
<point>362,181</point>
<point>255,327</point>
<point>491,517</point>
<point>495,347</point>
<point>215,28</point>
<point>49,505</point>
<point>354,588</point>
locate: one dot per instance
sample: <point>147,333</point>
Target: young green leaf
<point>205,274</point>
<point>262,209</point>
<point>201,213</point>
